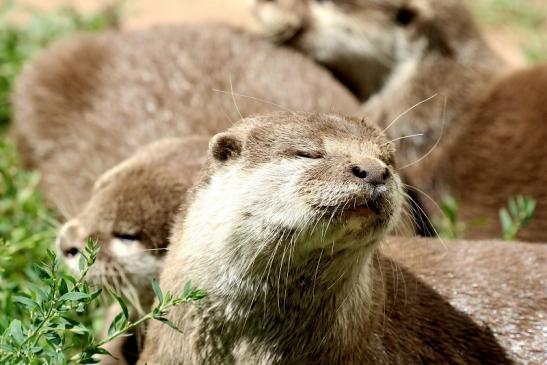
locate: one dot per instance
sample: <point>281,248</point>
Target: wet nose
<point>371,171</point>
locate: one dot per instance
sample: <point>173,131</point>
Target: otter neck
<point>362,76</point>
<point>309,301</point>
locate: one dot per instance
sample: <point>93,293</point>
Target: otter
<point>90,101</point>
<point>497,153</point>
<point>393,54</point>
<point>129,213</point>
<point>396,54</point>
<point>498,284</point>
<point>282,232</point>
<point>458,271</point>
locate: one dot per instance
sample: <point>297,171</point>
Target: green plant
<point>27,229</point>
<point>449,226</point>
<point>50,332</point>
<point>20,42</point>
<point>518,214</point>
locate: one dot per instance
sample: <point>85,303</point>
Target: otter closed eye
<point>127,237</point>
<point>308,154</point>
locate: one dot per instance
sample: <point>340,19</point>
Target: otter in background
<point>90,101</point>
<point>482,137</point>
<point>498,152</point>
<point>130,213</point>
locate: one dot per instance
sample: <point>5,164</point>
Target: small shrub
<point>49,330</point>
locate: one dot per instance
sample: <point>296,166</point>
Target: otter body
<point>500,285</point>
<point>498,153</point>
<point>90,101</point>
<point>289,258</point>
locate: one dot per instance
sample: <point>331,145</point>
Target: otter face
<point>385,31</point>
<point>129,215</point>
<point>305,178</point>
<point>367,36</point>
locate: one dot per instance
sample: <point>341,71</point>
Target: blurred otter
<point>130,213</point>
<point>90,101</point>
<point>395,55</point>
<point>498,152</point>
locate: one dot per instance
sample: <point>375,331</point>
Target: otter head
<point>367,36</point>
<point>129,215</point>
<point>291,182</point>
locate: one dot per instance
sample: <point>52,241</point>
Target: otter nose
<point>69,241</point>
<point>68,249</point>
<point>372,172</point>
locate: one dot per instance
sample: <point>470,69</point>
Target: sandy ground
<point>142,13</point>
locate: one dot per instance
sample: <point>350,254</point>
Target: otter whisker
<point>428,219</point>
<point>408,111</point>
<point>401,138</point>
<point>436,143</point>
<point>233,97</point>
<point>316,271</point>
<point>254,98</point>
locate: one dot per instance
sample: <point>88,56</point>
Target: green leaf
<point>117,324</point>
<point>122,305</point>
<point>506,221</point>
<point>74,296</point>
<point>157,290</point>
<point>168,322</point>
<point>15,330</point>
<point>7,348</point>
<point>27,302</point>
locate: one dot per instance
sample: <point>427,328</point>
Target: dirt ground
<point>142,13</point>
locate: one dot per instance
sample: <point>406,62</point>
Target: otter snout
<point>371,171</point>
<point>69,243</point>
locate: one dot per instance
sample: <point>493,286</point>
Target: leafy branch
<point>51,332</point>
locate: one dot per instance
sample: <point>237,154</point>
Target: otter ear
<point>225,146</point>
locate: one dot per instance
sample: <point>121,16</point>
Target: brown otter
<point>498,152</point>
<point>90,101</point>
<point>393,54</point>
<point>416,49</point>
<point>458,270</point>
<point>499,284</point>
<point>130,212</point>
<point>282,232</point>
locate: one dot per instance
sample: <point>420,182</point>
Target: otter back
<point>90,101</point>
<point>500,285</point>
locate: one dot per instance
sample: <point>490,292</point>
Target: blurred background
<point>518,28</point>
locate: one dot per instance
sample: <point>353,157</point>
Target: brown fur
<point>499,284</point>
<point>455,63</point>
<point>498,152</point>
<point>137,198</point>
<point>341,306</point>
<point>90,101</point>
